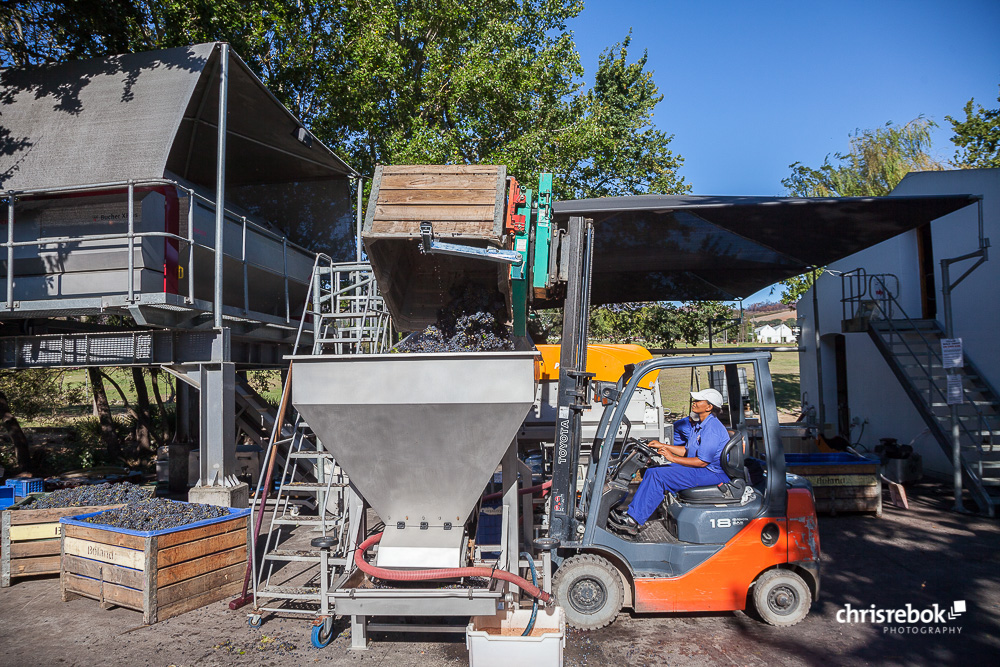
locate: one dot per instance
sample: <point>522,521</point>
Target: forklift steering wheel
<point>642,444</point>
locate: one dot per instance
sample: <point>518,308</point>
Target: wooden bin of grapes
<point>29,540</point>
<point>161,573</point>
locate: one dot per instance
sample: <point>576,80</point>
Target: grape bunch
<point>473,321</point>
<point>157,514</point>
<point>97,494</point>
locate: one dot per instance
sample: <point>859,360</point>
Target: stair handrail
<point>933,351</point>
<point>853,277</point>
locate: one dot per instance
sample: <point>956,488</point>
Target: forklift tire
<point>781,597</point>
<point>589,589</point>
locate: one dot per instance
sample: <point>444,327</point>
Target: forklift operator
<point>694,459</point>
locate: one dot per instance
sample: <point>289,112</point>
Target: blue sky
<point>751,87</point>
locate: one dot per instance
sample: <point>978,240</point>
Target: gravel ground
<point>923,556</point>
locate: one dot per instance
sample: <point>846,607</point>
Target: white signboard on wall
<point>951,352</point>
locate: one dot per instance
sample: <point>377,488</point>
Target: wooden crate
<point>841,482</point>
<point>29,540</point>
<point>162,573</point>
<point>464,203</point>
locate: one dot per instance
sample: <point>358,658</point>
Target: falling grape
<point>473,321</point>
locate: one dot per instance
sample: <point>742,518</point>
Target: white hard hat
<point>710,395</point>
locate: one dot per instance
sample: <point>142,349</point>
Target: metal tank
<point>419,435</point>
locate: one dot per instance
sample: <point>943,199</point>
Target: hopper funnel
<point>419,435</point>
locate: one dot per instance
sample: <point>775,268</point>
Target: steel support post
<point>361,182</point>
<point>512,540</point>
<point>820,400</point>
<point>10,252</point>
<point>359,633</point>
<point>217,427</point>
<point>220,179</point>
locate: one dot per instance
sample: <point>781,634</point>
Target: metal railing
<point>130,235</point>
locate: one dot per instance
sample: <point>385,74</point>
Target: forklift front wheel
<point>590,590</point>
<point>781,597</point>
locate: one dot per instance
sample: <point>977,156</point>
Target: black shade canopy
<point>676,248</point>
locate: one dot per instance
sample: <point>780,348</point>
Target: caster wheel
<point>254,621</point>
<point>322,634</point>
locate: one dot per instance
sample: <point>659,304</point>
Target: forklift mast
<point>574,382</point>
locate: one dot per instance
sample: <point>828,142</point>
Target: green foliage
<point>978,137</point>
<point>87,430</point>
<point>876,162</point>
<point>402,82</point>
<point>34,391</point>
<point>797,286</point>
<point>660,324</point>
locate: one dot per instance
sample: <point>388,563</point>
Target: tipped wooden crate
<point>464,203</point>
<point>29,540</point>
<point>162,573</point>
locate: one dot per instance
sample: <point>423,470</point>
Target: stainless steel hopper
<point>419,435</point>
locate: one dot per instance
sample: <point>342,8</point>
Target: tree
<point>398,82</point>
<point>659,324</point>
<point>876,162</point>
<point>796,286</point>
<point>978,137</point>
<point>28,393</point>
<point>108,434</point>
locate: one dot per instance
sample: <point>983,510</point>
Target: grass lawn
<point>675,385</point>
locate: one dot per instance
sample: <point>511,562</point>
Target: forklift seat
<point>727,493</point>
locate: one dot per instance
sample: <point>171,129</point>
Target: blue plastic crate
<point>24,485</point>
<point>6,497</point>
<point>826,458</point>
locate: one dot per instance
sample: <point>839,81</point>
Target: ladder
<point>346,315</point>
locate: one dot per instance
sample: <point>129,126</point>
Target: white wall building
<point>858,382</point>
<point>779,334</point>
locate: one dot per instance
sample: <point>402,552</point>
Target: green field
<point>675,385</point>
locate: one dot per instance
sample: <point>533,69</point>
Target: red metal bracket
<point>513,222</point>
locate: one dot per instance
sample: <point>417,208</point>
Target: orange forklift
<point>752,542</point>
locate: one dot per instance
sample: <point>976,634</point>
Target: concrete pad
<point>923,556</point>
<point>224,496</point>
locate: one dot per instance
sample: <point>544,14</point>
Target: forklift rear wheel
<point>781,597</point>
<point>590,590</point>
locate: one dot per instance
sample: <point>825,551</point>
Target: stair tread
<point>288,520</point>
<point>301,592</point>
<point>292,555</point>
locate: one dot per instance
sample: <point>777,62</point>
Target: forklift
<point>752,542</point>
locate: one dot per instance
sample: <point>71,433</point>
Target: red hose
<point>522,492</point>
<point>442,573</point>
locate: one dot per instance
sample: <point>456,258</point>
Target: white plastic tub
<point>492,649</point>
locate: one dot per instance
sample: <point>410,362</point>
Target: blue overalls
<point>706,442</point>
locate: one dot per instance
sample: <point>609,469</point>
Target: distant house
<point>779,334</point>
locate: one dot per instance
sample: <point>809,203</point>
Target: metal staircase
<point>912,349</point>
<point>314,498</point>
